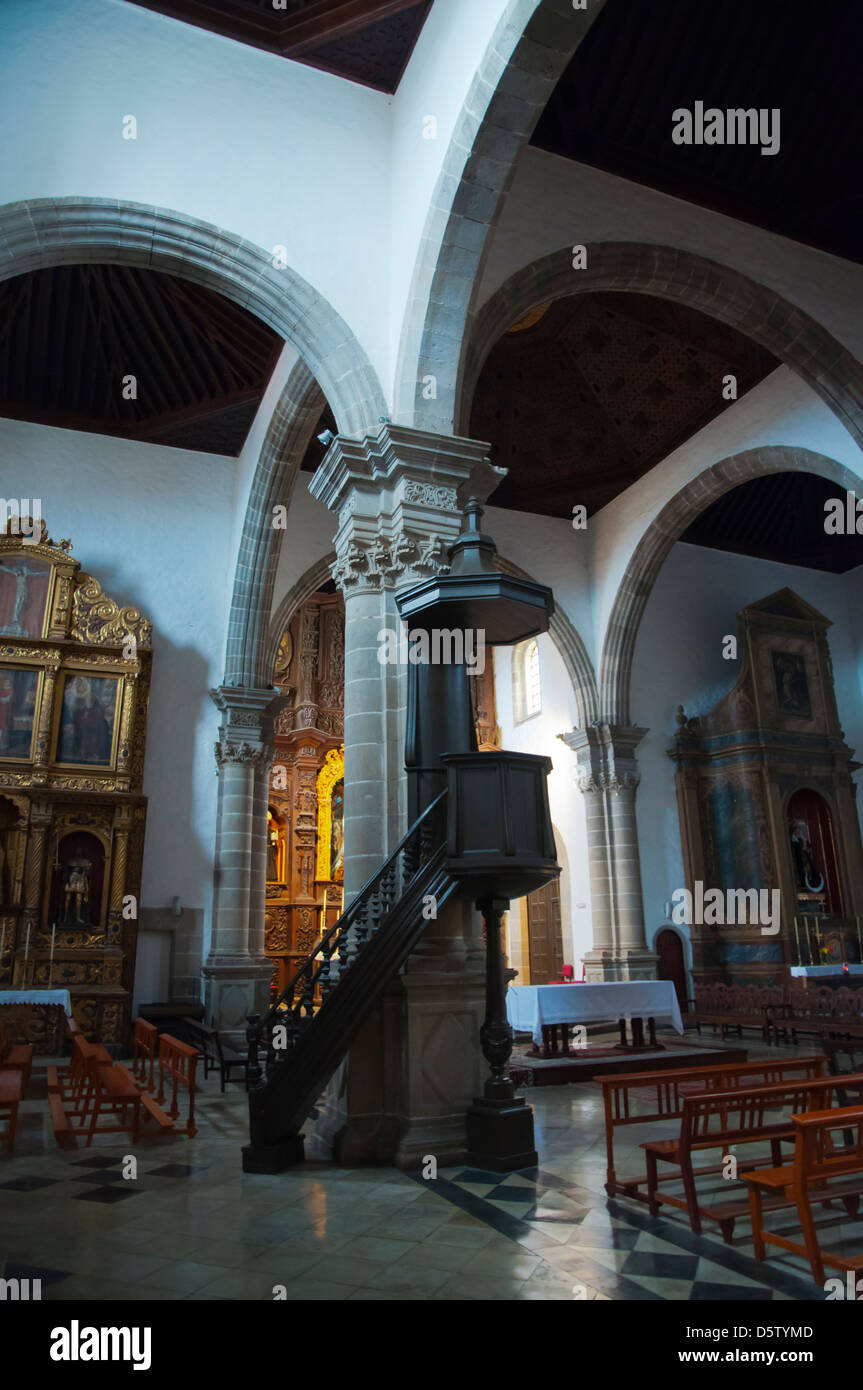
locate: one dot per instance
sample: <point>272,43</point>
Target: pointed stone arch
<point>664,531</point>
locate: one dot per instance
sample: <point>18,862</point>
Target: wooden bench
<point>726,1120</point>
<point>11,1091</point>
<point>153,1110</point>
<point>817,1163</point>
<point>16,1057</point>
<point>145,1041</point>
<point>60,1122</point>
<point>178,1062</point>
<point>626,1095</point>
<point>805,1008</point>
<point>111,1093</point>
<point>218,1055</point>
<point>735,1006</point>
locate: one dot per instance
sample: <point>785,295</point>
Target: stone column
<point>237,973</point>
<point>607,775</point>
<point>415,1068</point>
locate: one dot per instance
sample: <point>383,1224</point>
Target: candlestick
<point>27,943</point>
<point>51,962</point>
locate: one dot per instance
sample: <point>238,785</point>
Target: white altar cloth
<point>528,1007</point>
<point>819,971</point>
<point>38,996</point>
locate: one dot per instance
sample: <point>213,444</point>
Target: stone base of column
<point>620,964</point>
<point>500,1135</point>
<point>273,1158</point>
<point>234,987</point>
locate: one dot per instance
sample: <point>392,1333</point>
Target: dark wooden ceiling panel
<point>640,61</point>
<point>366,41</point>
<point>588,396</point>
<point>69,336</point>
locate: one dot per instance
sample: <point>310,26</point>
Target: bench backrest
<point>661,1090</point>
<point>178,1058</point>
<point>815,1155</point>
<point>739,1115</point>
<point>751,1000</point>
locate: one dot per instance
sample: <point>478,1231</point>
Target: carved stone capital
<point>606,757</point>
<point>260,755</point>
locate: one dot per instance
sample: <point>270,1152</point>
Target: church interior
<point>431,651</point>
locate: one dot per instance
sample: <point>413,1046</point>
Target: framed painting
<point>25,591</point>
<point>19,700</point>
<point>86,733</point>
<point>792,687</point>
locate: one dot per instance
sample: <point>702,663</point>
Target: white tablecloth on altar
<point>38,996</point>
<point>819,971</point>
<point>528,1007</point>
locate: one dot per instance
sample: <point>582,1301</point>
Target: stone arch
<point>572,651</point>
<point>664,530</point>
<point>247,656</point>
<point>65,231</point>
<point>719,290</point>
<point>528,53</point>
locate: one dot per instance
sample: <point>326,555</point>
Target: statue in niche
<point>337,833</point>
<point>808,876</point>
<point>76,893</point>
<point>272,849</point>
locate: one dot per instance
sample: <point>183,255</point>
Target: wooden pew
<point>178,1062</point>
<point>736,1006</point>
<point>111,1094</point>
<point>145,1042</point>
<point>728,1119</point>
<point>155,1112</point>
<point>16,1057</point>
<point>626,1095</point>
<point>11,1091</point>
<point>817,1162</point>
<point>832,1013</point>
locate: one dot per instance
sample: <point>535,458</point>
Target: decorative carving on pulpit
<point>766,801</point>
<point>74,688</point>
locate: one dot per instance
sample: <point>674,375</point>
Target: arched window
<point>526,690</point>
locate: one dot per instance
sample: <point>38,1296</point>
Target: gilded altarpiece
<point>304,884</point>
<point>74,687</point>
<point>766,801</point>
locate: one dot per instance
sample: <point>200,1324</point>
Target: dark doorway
<point>545,935</point>
<point>671,966</point>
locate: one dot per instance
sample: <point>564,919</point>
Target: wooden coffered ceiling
<point>642,59</point>
<point>69,336</point>
<point>367,41</point>
<point>585,398</point>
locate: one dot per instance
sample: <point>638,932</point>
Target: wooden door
<point>545,934</point>
<point>671,966</point>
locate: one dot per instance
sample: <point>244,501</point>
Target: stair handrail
<point>343,922</point>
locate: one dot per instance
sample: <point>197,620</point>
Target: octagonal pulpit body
<point>500,843</point>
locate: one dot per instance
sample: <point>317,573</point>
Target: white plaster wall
<point>539,734</point>
<point>307,538</point>
<point>555,202</point>
<point>780,410</point>
<point>678,660</point>
<point>153,525</point>
<point>275,152</point>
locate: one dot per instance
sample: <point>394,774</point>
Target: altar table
<point>819,972</point>
<point>36,1016</point>
<point>535,1008</point>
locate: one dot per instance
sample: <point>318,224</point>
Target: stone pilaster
<point>236,972</point>
<point>607,776</point>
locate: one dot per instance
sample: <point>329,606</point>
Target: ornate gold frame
<point>66,674</point>
<point>332,772</point>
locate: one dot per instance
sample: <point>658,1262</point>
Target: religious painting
<point>19,691</point>
<point>792,689</point>
<point>331,818</point>
<point>24,590</point>
<point>88,717</point>
<point>337,832</point>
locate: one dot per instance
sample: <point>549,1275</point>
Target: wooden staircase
<point>297,1045</point>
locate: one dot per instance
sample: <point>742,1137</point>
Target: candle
<point>51,962</point>
<point>27,943</point>
<point>2,942</point>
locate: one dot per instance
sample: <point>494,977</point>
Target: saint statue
<point>272,851</point>
<point>76,894</point>
<point>806,872</point>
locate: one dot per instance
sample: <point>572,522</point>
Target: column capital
<point>246,732</point>
<point>399,496</point>
<point>606,756</point>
